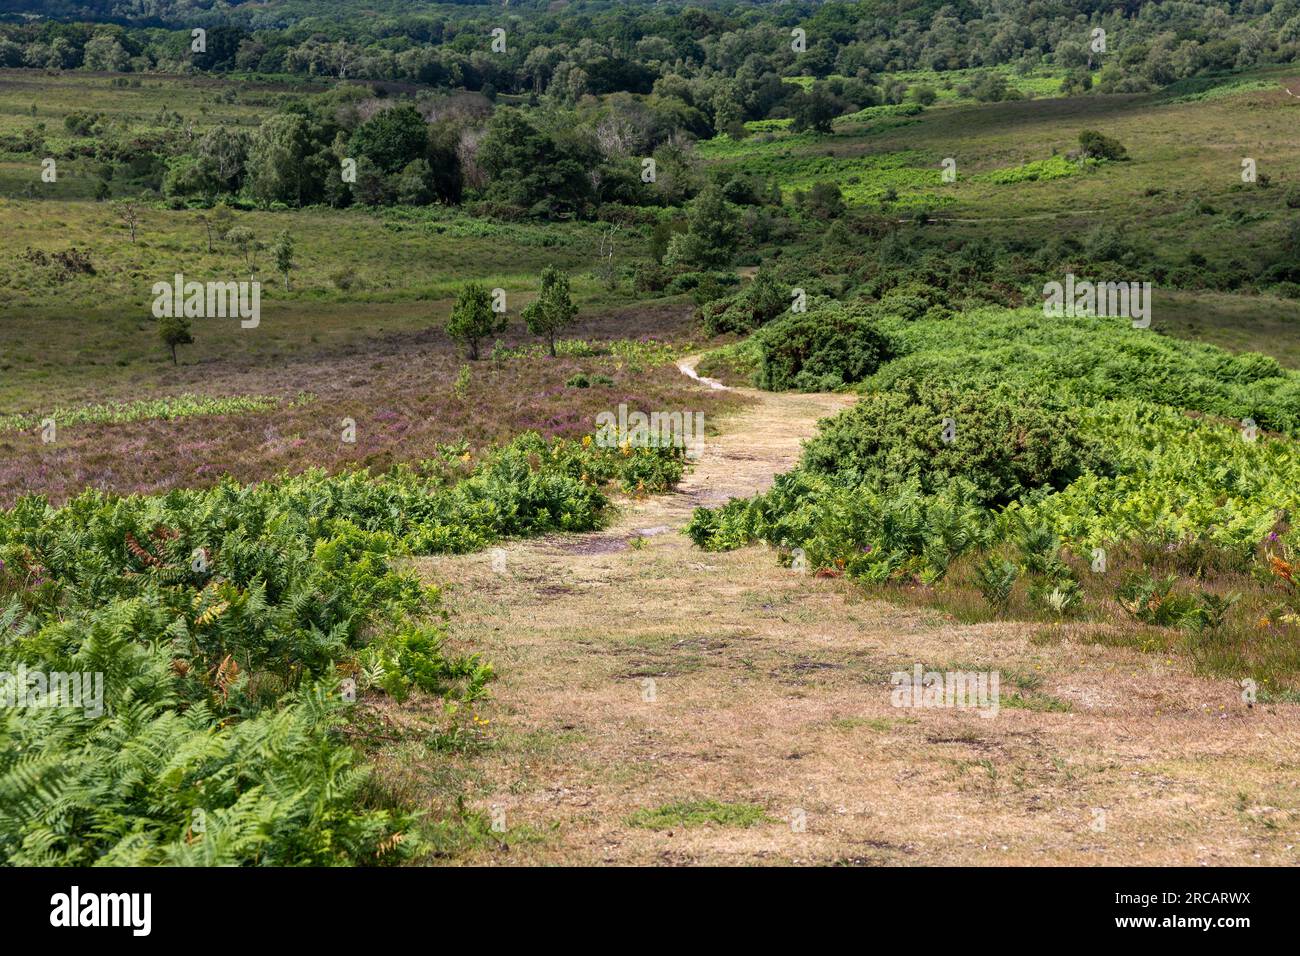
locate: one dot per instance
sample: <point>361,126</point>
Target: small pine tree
<point>472,318</point>
<point>174,330</point>
<point>554,309</point>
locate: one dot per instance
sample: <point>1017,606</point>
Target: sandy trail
<point>772,687</point>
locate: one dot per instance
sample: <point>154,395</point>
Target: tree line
<point>720,55</point>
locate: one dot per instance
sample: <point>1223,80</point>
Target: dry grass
<point>1250,642</point>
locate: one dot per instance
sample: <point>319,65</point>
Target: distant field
<point>28,97</point>
<point>866,156</point>
<point>1241,323</point>
<point>1184,204</point>
<point>359,274</point>
<point>357,334</point>
<point>1039,82</point>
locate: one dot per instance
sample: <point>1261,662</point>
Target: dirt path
<point>772,688</point>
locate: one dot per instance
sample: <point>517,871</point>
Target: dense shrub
<point>1095,145</point>
<point>689,281</point>
<point>648,278</point>
<point>912,300</point>
<point>928,436</point>
<point>824,348</point>
<point>824,201</point>
<point>756,304</point>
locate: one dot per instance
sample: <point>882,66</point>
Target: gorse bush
<point>1061,356</point>
<point>913,300</point>
<point>756,304</point>
<point>221,621</point>
<point>1004,445</point>
<point>822,349</point>
<point>1095,145</point>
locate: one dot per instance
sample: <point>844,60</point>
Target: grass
<point>182,406</point>
<point>1040,82</point>
<point>91,337</point>
<point>1252,642</point>
<point>699,813</point>
<point>1150,198</point>
<point>1040,703</point>
<point>881,725</point>
<point>389,256</point>
<point>1199,89</point>
<point>1241,323</point>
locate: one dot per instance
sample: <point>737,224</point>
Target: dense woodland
<point>726,51</point>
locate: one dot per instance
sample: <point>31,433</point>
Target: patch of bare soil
<point>635,676</point>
